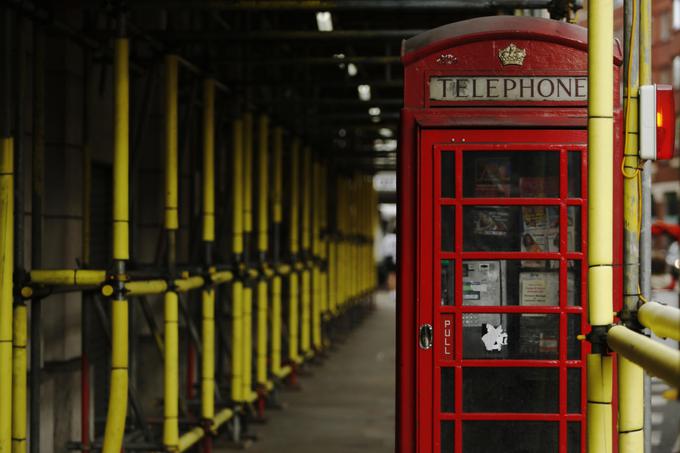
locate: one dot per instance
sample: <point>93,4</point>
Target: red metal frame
<point>438,141</point>
<point>427,128</point>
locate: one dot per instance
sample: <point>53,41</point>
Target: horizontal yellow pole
<point>662,319</point>
<point>189,283</point>
<point>144,287</point>
<point>68,277</point>
<point>222,417</point>
<point>656,358</point>
<point>188,439</point>
<point>222,277</point>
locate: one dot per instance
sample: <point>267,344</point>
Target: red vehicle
<point>493,183</point>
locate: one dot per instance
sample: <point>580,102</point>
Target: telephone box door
<point>500,291</point>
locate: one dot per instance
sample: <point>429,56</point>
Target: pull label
<point>446,337</point>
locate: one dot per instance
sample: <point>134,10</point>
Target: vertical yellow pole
<point>293,293</point>
<point>115,418</point>
<point>208,160</point>
<point>293,322</point>
<point>262,333</point>
<point>600,219</point>
<point>316,252</point>
<point>277,177</point>
<point>171,372</point>
<point>208,294</point>
<point>263,164</point>
<point>237,347</point>
<point>306,198</point>
<point>19,379</point>
<point>247,343</point>
<point>277,218</point>
<point>276,326</point>
<point>247,229</point>
<point>6,272</point>
<point>305,334</point>
<point>262,247</point>
<point>237,187</point>
<point>171,224</point>
<point>208,362</point>
<point>247,173</point>
<point>171,172</point>
<point>294,197</point>
<point>630,375</point>
<point>237,341</point>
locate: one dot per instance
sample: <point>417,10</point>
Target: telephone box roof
<point>493,27</point>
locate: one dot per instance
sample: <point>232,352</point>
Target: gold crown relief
<point>512,55</point>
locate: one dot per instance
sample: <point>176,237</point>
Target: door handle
<point>425,336</point>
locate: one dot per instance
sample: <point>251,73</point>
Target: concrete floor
<point>346,404</point>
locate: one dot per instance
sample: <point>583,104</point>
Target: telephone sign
<point>493,193</point>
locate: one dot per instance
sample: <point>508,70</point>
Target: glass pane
<point>447,175</point>
<point>491,228</point>
<point>510,437</point>
<point>511,174</point>
<point>574,173</point>
<point>574,390</point>
<point>574,283</point>
<point>511,282</point>
<point>533,229</point>
<point>448,215</point>
<point>448,280</point>
<point>510,336</point>
<point>573,344</point>
<point>574,228</point>
<point>506,390</point>
<point>574,437</point>
<point>447,389</point>
<point>446,437</point>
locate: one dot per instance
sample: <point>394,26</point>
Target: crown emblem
<point>446,58</point>
<point>512,55</point>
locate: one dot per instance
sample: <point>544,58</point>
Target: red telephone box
<point>493,234</point>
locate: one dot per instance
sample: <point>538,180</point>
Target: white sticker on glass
<point>494,339</point>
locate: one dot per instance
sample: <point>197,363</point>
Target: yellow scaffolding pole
<point>171,224</point>
<point>237,187</point>
<point>662,319</point>
<point>262,380</point>
<point>293,323</point>
<point>263,165</point>
<point>276,327</point>
<point>247,173</point>
<point>208,294</point>
<point>262,247</point>
<point>656,358</point>
<point>600,218</point>
<point>316,253</point>
<point>237,347</point>
<point>247,358</point>
<point>171,371</point>
<point>19,379</point>
<point>67,277</point>
<point>117,409</point>
<point>293,292</point>
<point>6,272</point>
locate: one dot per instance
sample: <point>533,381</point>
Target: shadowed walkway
<point>347,403</point>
